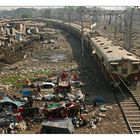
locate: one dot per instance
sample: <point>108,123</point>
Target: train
<point>117,64</point>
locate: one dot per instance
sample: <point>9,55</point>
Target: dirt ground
<point>65,53</point>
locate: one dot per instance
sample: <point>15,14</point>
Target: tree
<point>47,13</point>
<point>81,11</point>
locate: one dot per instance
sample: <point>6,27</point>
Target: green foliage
<point>29,15</point>
<point>13,79</point>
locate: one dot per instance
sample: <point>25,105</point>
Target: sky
<point>38,7</point>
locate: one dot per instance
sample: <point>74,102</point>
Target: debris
<point>101,115</point>
<point>102,108</point>
<point>108,107</point>
<point>114,122</point>
<point>48,97</point>
<point>71,97</point>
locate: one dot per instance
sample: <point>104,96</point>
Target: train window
<point>109,51</point>
<point>101,43</point>
<point>129,54</point>
<point>105,48</point>
<point>120,48</point>
<point>102,59</point>
<point>135,67</point>
<point>124,71</point>
<point>114,67</point>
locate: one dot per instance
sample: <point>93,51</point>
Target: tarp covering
<point>26,92</point>
<point>55,106</point>
<point>9,100</point>
<point>64,126</point>
<point>4,122</point>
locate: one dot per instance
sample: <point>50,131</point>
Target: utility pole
<point>130,29</point>
<point>82,41</point>
<point>126,31</point>
<point>115,32</point>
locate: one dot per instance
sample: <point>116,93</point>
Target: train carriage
<point>114,61</point>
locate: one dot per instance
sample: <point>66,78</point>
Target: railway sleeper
<point>130,111</point>
<point>136,132</point>
<point>133,115</point>
<point>128,103</point>
<point>130,108</point>
<point>134,122</point>
<point>137,98</point>
<point>135,126</point>
<point>133,119</point>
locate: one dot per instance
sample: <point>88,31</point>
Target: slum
<point>43,102</point>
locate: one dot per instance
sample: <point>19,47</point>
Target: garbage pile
<point>52,102</point>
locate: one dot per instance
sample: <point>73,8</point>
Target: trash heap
<point>57,103</point>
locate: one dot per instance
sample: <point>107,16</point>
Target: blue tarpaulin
<point>26,92</point>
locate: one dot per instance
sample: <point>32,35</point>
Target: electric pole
<point>130,29</point>
<point>82,41</point>
<point>115,32</point>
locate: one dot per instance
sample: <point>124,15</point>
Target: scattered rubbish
<point>80,95</point>
<point>114,122</point>
<point>108,107</point>
<point>48,97</point>
<point>101,115</point>
<point>71,97</point>
<point>57,57</point>
<point>103,108</point>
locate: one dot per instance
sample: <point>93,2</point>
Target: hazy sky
<point>14,7</point>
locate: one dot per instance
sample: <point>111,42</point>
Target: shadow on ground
<point>95,84</point>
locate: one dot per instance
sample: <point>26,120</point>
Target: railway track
<point>129,103</point>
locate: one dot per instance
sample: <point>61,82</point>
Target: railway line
<point>129,103</point>
<point>130,108</point>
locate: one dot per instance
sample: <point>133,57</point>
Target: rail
<point>133,102</point>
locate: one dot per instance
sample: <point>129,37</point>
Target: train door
<point>135,70</point>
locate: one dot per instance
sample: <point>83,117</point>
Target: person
<point>10,108</point>
<point>30,101</point>
<point>19,117</point>
<point>38,88</point>
<point>46,105</point>
<point>20,47</point>
<point>105,27</point>
<point>21,110</point>
<point>3,131</point>
<point>27,82</point>
<point>64,75</point>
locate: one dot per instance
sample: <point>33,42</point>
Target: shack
<point>63,126</point>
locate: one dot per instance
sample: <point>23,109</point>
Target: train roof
<point>111,51</point>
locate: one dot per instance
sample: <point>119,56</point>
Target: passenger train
<point>115,62</point>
